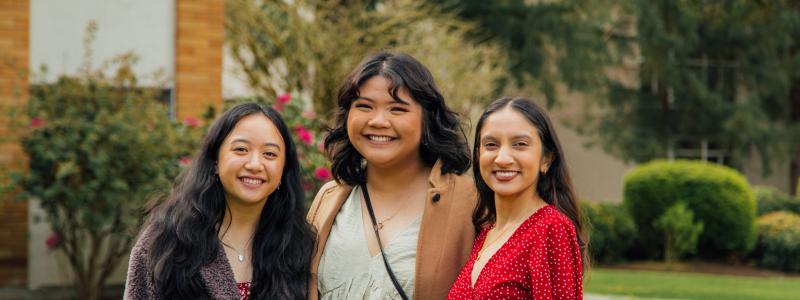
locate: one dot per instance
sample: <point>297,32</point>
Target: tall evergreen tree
<point>552,43</point>
<point>714,75</point>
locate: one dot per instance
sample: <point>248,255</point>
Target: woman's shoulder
<point>143,241</point>
<point>327,195</point>
<point>327,190</point>
<point>549,220</point>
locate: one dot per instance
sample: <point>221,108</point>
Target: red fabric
<point>244,290</point>
<point>541,260</point>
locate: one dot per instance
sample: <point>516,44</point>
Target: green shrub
<point>679,230</point>
<point>611,231</point>
<point>98,147</point>
<point>719,196</point>
<point>779,240</point>
<point>770,199</point>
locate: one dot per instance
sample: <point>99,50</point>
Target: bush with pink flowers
<point>98,149</point>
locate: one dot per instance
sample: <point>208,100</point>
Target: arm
<point>138,284</point>
<point>557,271</point>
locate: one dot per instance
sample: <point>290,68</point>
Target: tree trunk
<point>794,167</point>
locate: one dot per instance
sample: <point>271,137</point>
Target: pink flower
<point>307,186</point>
<point>304,134</point>
<point>322,173</point>
<point>184,161</point>
<point>284,98</point>
<point>36,122</point>
<point>191,122</point>
<point>53,241</point>
<point>309,114</point>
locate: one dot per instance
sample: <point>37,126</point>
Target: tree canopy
<point>719,73</point>
<point>311,45</point>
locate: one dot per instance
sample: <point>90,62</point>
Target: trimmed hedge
<point>611,231</point>
<point>770,199</point>
<point>779,241</point>
<point>719,196</point>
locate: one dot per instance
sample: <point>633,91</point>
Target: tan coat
<point>445,235</point>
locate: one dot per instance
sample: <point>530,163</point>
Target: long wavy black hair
<point>554,186</point>
<point>442,135</point>
<point>185,228</point>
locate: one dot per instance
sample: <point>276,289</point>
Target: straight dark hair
<point>442,136</point>
<point>554,186</point>
<point>186,227</point>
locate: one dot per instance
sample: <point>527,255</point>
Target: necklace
<point>380,223</point>
<point>486,246</point>
<point>239,255</point>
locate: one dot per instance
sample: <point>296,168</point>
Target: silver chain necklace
<point>239,255</point>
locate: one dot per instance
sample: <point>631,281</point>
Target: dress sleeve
<point>138,284</point>
<point>555,263</point>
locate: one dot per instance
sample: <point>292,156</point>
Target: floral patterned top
<point>244,290</point>
<point>541,260</point>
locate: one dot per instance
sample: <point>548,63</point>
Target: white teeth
<point>379,138</point>
<point>251,181</point>
<point>505,173</point>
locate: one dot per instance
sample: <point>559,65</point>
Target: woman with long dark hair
<point>396,222</point>
<point>530,244</point>
<point>233,225</point>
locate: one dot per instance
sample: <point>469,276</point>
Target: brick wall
<point>14,19</point>
<point>198,55</point>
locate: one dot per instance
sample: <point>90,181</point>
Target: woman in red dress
<point>530,243</point>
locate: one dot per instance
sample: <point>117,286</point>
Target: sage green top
<point>348,271</point>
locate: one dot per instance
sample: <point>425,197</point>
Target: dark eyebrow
<point>241,140</point>
<point>394,100</point>
<point>364,98</point>
<point>520,136</point>
<point>399,101</point>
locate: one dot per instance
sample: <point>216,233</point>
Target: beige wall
<point>596,175</point>
<point>779,177</point>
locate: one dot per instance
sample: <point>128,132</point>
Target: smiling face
<point>251,160</point>
<point>384,130</point>
<point>511,154</point>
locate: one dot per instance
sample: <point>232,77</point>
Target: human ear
<point>544,165</point>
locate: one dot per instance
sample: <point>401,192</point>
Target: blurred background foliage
<point>310,46</point>
<point>653,77</point>
<point>99,147</point>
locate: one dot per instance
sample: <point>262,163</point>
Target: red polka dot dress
<point>541,260</point>
<point>244,290</point>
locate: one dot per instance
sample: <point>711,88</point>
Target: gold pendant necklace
<point>516,224</point>
<point>380,223</point>
<point>486,246</point>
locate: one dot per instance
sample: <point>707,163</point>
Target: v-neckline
<point>364,229</point>
<point>502,247</point>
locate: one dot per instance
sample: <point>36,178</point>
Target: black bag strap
<point>380,245</point>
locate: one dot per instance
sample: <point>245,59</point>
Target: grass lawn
<point>689,285</point>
